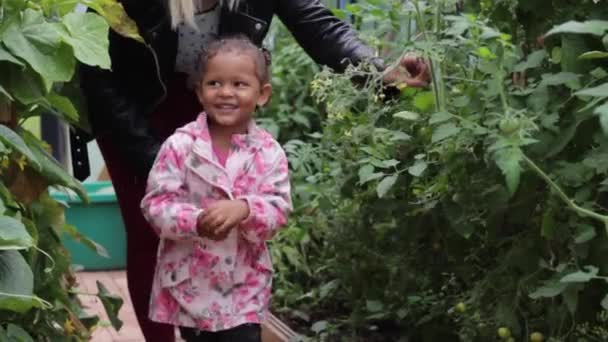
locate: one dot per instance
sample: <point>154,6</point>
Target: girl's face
<point>230,89</point>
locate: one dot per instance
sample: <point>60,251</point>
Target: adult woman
<point>147,95</point>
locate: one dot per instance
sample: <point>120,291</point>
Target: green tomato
<point>536,337</point>
<point>508,125</point>
<point>504,332</point>
<point>425,132</point>
<point>461,307</point>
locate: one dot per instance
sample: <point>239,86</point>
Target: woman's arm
<point>327,39</point>
<point>332,42</point>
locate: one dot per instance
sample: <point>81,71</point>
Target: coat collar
<point>249,142</point>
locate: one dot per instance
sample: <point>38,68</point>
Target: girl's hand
<point>202,229</point>
<point>221,217</point>
<point>411,71</point>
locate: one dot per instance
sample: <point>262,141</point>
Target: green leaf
<point>584,233</point>
<point>556,55</point>
<point>25,85</point>
<point>50,168</point>
<point>62,7</point>
<point>340,14</point>
<point>565,136</point>
<point>365,172</point>
<point>6,56</point>
<point>16,283</point>
<point>13,234</point>
<point>604,302</point>
<point>385,185</point>
<point>534,60</point>
<point>508,161</point>
<point>405,115</point>
<point>444,131</point>
<point>328,288</point>
<point>439,117</point>
<point>117,17</point>
<point>598,72</point>
<point>10,138</point>
<point>79,237</point>
<point>490,33</point>
<point>88,36</point>
<point>581,276</point>
<point>15,333</point>
<point>38,43</point>
<point>562,78</point>
<point>460,102</point>
<point>390,163</point>
<point>602,113</point>
<point>599,91</point>
<point>319,326</point>
<point>418,168</point>
<point>374,306</point>
<point>594,27</point>
<point>111,303</point>
<point>63,105</point>
<point>400,136</point>
<point>594,55</point>
<point>548,223</point>
<point>424,101</point>
<point>549,290</point>
<point>485,53</point>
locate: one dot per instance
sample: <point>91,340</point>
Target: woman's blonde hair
<point>182,11</point>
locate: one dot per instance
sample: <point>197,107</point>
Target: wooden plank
<point>101,335</point>
<point>130,329</point>
<point>273,330</point>
<point>93,305</point>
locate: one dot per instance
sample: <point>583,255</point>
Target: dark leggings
<point>243,333</point>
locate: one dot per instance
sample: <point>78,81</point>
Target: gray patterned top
<point>192,41</point>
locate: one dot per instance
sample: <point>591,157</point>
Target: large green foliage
<point>41,43</point>
<point>475,204</point>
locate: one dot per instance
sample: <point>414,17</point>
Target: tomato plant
<point>488,189</point>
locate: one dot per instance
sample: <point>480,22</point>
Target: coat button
<point>258,26</point>
<point>173,276</point>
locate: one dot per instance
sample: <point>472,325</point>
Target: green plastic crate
<point>101,222</point>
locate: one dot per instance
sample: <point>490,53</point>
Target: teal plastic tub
<point>99,221</point>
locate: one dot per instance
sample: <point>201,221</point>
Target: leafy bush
<point>41,43</point>
<point>476,204</point>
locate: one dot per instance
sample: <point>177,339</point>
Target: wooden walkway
<point>116,282</point>
<point>273,330</point>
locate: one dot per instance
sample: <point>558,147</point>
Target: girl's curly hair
<point>239,44</point>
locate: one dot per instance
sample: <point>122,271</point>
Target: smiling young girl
<point>218,190</point>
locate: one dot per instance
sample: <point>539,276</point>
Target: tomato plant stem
<point>578,209</point>
<point>435,76</point>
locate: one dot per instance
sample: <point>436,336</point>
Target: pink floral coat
<point>199,282</point>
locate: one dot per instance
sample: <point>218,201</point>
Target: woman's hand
<point>411,71</point>
<point>221,217</point>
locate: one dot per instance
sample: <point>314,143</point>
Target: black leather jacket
<point>120,101</point>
